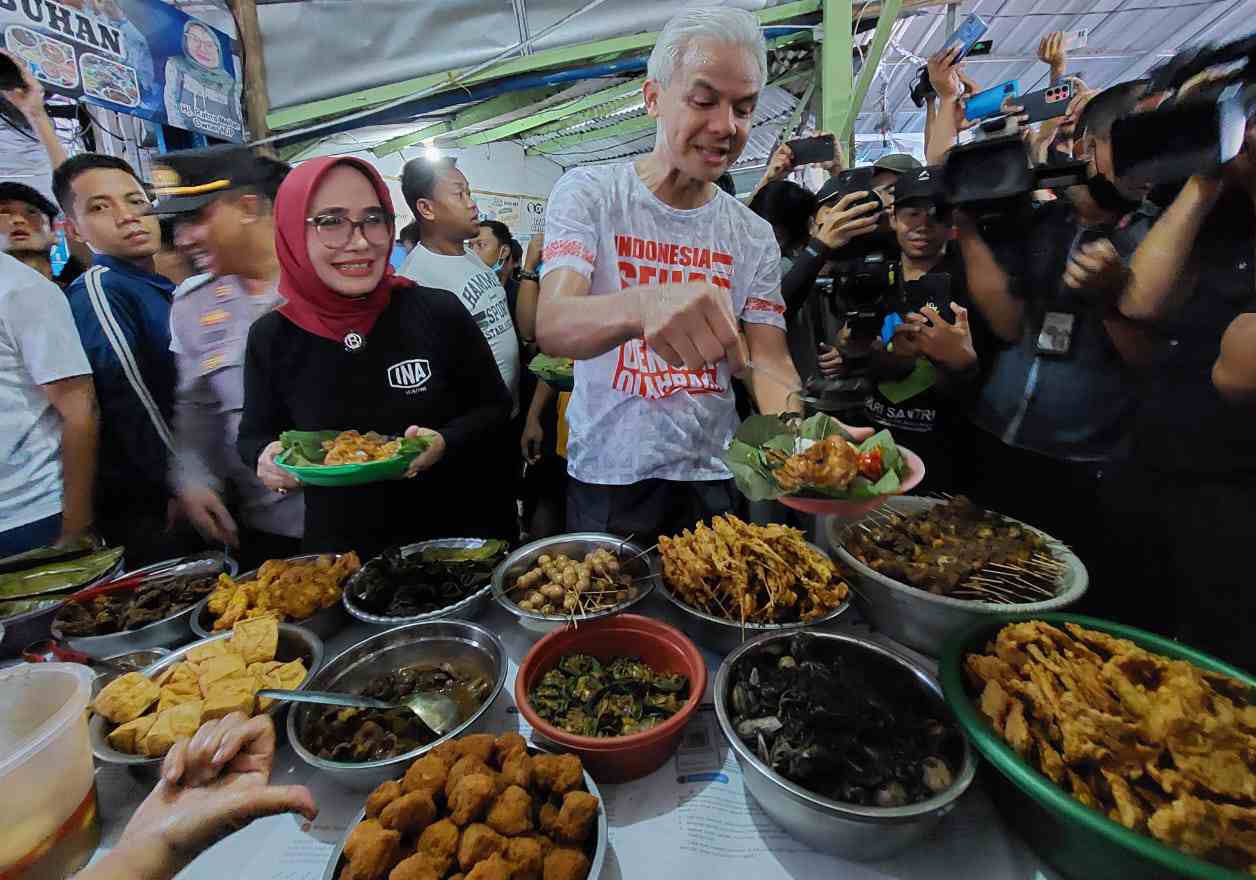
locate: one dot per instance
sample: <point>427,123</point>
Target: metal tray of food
<point>23,629</point>
<point>467,608</point>
<point>171,630</point>
<point>324,624</point>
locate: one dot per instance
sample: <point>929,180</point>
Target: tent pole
<point>255,95</point>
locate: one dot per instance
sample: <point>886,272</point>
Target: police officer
<point>221,200</point>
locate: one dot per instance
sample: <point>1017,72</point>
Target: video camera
<point>1196,132</point>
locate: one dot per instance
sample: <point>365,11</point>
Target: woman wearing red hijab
<point>355,346</point>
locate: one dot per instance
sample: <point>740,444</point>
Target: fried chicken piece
<point>410,813</point>
<point>517,770</point>
<point>383,795</point>
<point>372,851</point>
<point>493,868</point>
<point>439,842</point>
<point>566,863</point>
<point>466,766</point>
<point>575,819</point>
<point>511,813</point>
<point>478,843</point>
<point>506,745</point>
<point>557,773</point>
<point>471,797</point>
<point>429,773</point>
<point>832,463</point>
<point>418,867</point>
<point>477,745</point>
<point>526,857</point>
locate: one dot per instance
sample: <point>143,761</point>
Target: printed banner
<point>524,215</point>
<point>141,57</point>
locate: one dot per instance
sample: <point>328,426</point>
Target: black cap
<point>11,190</point>
<point>188,180</point>
<point>899,163</point>
<point>832,190</point>
<point>923,183</point>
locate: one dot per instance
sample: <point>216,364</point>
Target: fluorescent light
<point>430,151</point>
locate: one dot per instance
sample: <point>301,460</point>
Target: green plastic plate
<point>1076,840</point>
<point>348,474</point>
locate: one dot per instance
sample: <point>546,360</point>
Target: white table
<point>692,813</point>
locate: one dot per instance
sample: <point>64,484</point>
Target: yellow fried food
<point>256,640</point>
<point>557,773</point>
<point>470,797</point>
<point>831,463</point>
<point>526,857</point>
<point>283,589</point>
<point>492,868</point>
<point>372,851</point>
<point>517,770</point>
<point>429,774</point>
<point>468,765</point>
<point>171,726</point>
<point>511,813</point>
<point>236,694</point>
<point>750,573</point>
<point>216,668</point>
<point>125,737</point>
<point>477,844</point>
<point>439,842</point>
<point>417,867</point>
<point>204,652</point>
<point>1155,744</point>
<point>575,818</point>
<point>126,697</point>
<point>383,795</point>
<point>566,863</point>
<point>409,814</point>
<point>350,447</point>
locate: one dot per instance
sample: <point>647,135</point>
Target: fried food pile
<point>750,573</point>
<point>957,548</point>
<point>477,808</point>
<point>287,590</point>
<point>216,679</point>
<point>350,447</point>
<point>1158,745</point>
<point>831,464</point>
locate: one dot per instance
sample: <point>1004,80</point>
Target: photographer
<point>1057,405</point>
<point>924,362</point>
<point>1191,482</point>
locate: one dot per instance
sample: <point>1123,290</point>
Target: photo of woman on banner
<point>199,90</point>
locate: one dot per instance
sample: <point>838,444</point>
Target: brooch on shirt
<point>354,341</point>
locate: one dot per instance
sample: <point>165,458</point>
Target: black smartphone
<point>981,47</point>
<point>10,74</point>
<point>933,289</point>
<point>808,151</point>
<point>1047,103</point>
<point>855,180</point>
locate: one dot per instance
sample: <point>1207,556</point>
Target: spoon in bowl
<point>437,711</point>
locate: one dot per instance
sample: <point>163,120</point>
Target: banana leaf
<point>42,555</point>
<point>305,448</point>
<point>22,606</point>
<point>747,457</point>
<point>552,367</point>
<point>55,577</point>
<point>465,554</point>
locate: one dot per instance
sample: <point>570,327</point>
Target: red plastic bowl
<point>663,647</point>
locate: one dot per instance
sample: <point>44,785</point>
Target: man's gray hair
<point>719,24</point>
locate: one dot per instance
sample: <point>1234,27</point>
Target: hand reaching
<point>781,163</point>
<point>944,73</point>
<point>1051,52</point>
<point>948,345</point>
<point>838,224</point>
<point>29,97</point>
<point>272,475</point>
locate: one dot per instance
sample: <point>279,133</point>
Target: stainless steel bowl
<point>172,630</point>
<point>722,635</point>
<point>324,624</point>
<point>921,620</point>
<point>458,642</point>
<point>576,545</point>
<point>336,864</point>
<point>141,659</point>
<point>23,629</point>
<point>295,643</point>
<point>466,609</point>
<point>848,830</point>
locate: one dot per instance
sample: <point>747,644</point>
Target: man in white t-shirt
<point>48,418</point>
<point>440,197</point>
<point>652,275</point>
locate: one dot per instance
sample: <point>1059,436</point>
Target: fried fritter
<point>511,813</point>
<point>471,797</point>
<point>575,819</point>
<point>383,795</point>
<point>526,857</point>
<point>372,851</point>
<point>547,817</point>
<point>419,866</point>
<point>429,773</point>
<point>478,746</point>
<point>506,745</point>
<point>466,766</point>
<point>439,842</point>
<point>478,843</point>
<point>557,773</point>
<point>492,868</point>
<point>517,770</point>
<point>449,752</point>
<point>410,813</point>
<point>566,863</point>
<point>283,589</point>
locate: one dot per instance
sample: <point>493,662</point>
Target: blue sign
<point>141,57</point>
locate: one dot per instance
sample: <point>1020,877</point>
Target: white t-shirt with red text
<point>632,416</point>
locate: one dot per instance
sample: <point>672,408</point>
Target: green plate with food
<point>347,458</point>
<point>815,466</point>
<point>557,372</point>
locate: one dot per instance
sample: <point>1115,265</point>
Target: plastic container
<point>48,811</point>
<point>664,648</point>
<point>1075,840</point>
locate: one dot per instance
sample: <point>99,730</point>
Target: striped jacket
<point>123,319</point>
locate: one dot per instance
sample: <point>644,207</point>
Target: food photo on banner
<point>523,215</point>
<point>140,57</point>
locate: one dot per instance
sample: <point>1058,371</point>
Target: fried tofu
<point>429,773</point>
<point>566,863</point>
<point>557,773</point>
<point>511,813</point>
<point>383,795</point>
<point>477,844</point>
<point>126,698</point>
<point>256,640</point>
<point>216,668</point>
<point>288,676</point>
<point>126,737</point>
<point>372,850</point>
<point>470,798</point>
<point>410,813</point>
<point>575,818</point>
<point>207,651</point>
<point>169,727</point>
<point>229,695</point>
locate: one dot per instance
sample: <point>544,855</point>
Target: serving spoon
<point>437,711</point>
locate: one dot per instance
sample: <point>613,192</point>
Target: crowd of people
<point>1087,367</point>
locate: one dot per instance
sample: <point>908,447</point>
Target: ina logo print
<point>409,375</point>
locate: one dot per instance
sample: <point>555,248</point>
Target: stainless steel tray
<point>20,630</point>
<point>324,624</point>
<point>468,608</point>
<point>172,630</point>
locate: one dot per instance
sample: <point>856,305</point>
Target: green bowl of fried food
<point>347,458</point>
<point>1120,753</point>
